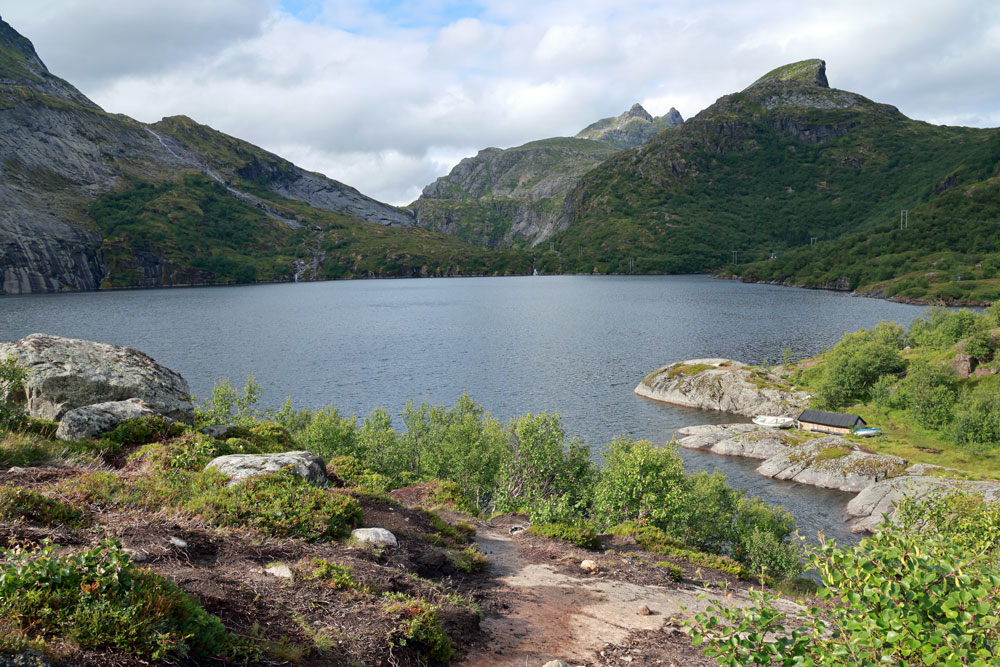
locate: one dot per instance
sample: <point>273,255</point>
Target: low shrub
<point>98,599</point>
<point>417,622</point>
<point>280,505</point>
<point>577,534</point>
<point>271,438</point>
<point>469,559</point>
<point>142,430</point>
<point>673,571</point>
<point>12,379</point>
<point>17,503</point>
<point>336,576</point>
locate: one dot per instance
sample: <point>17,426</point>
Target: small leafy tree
<point>12,379</point>
<point>641,482</point>
<point>977,418</point>
<point>856,363</point>
<point>929,393</point>
<point>923,592</point>
<point>229,406</point>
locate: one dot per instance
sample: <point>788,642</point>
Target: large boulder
<point>237,467</point>
<point>722,384</point>
<point>876,502</point>
<point>832,463</point>
<point>65,373</point>
<point>92,421</point>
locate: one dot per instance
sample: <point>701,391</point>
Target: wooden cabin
<point>829,422</point>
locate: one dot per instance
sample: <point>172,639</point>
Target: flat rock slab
<point>238,467</point>
<point>65,373</point>
<point>378,536</point>
<point>93,421</point>
<point>746,440</point>
<point>721,384</point>
<point>844,468</point>
<point>878,501</point>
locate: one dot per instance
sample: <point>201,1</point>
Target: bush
<point>977,418</point>
<point>417,623</point>
<point>142,430</point>
<point>356,475</point>
<point>980,345</point>
<point>641,482</point>
<point>577,534</point>
<point>271,438</point>
<point>229,406</point>
<point>17,503</point>
<point>12,379</point>
<point>336,576</point>
<point>281,505</point>
<point>98,599</point>
<point>922,592</point>
<point>855,363</point>
<point>541,472</point>
<point>929,394</point>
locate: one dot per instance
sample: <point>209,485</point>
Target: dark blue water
<point>576,345</point>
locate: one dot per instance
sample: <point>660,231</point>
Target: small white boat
<point>773,422</point>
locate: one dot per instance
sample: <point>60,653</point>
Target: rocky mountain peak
<point>18,55</point>
<point>805,72</point>
<point>637,111</point>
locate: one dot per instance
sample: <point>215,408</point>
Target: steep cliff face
<point>510,197</point>
<point>60,153</point>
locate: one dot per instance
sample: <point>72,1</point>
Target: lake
<point>576,345</point>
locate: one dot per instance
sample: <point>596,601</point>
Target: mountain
<point>514,196</point>
<point>633,128</point>
<point>90,199</point>
<point>785,163</point>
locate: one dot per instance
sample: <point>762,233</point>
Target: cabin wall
<point>822,428</point>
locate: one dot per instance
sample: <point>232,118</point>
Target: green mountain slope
<point>786,160</point>
<point>515,197</point>
<point>90,199</point>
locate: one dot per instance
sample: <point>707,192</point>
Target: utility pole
<point>904,219</point>
<point>735,253</point>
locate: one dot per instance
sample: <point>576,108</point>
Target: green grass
<point>577,534</point>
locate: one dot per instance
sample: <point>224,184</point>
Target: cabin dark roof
<point>836,419</point>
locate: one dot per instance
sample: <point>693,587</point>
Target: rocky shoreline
<point>830,462</point>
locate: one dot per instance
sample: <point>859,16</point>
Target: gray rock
<point>851,471</point>
<point>178,542</point>
<point>963,365</point>
<point>92,421</point>
<point>65,373</point>
<point>281,571</point>
<point>238,467</point>
<point>759,444</point>
<point>633,128</point>
<point>377,536</point>
<point>877,501</point>
<point>723,385</point>
<point>27,658</point>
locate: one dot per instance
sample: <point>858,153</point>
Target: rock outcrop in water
<point>832,462</point>
<point>722,384</point>
<point>65,373</point>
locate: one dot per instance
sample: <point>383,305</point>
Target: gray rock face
<point>753,442</point>
<point>328,194</point>
<point>91,421</point>
<point>831,463</point>
<point>879,500</point>
<point>722,384</point>
<point>238,467</point>
<point>963,365</point>
<point>377,536</point>
<point>65,373</point>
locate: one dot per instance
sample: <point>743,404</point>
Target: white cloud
<point>386,101</point>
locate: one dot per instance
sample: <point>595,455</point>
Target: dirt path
<point>551,614</point>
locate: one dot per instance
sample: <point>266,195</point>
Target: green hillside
<point>764,170</point>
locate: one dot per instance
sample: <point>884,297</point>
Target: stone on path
<point>377,536</point>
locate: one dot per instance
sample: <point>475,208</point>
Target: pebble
<point>178,542</point>
<point>589,566</point>
<point>644,611</point>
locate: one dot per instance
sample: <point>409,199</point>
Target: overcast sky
<point>387,95</point>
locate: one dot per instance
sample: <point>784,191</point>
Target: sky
<point>388,95</point>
